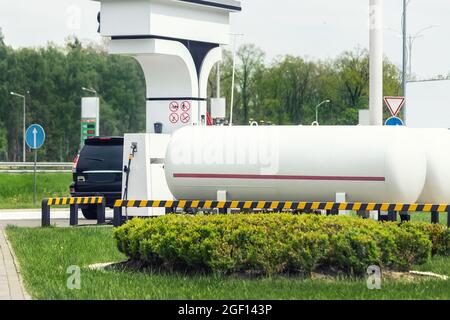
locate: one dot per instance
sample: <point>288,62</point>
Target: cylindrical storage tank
<point>436,143</point>
<point>296,163</point>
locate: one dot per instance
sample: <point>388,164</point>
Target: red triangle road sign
<point>395,104</point>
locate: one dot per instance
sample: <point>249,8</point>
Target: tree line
<point>287,90</point>
<point>284,91</point>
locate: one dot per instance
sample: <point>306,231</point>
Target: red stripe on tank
<point>275,177</point>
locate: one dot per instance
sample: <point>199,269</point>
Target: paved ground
<point>11,286</point>
<point>35,214</point>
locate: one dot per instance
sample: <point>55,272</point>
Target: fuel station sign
<point>90,118</point>
<point>88,129</point>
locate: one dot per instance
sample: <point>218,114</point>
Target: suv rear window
<point>100,157</point>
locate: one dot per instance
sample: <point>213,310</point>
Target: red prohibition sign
<point>185,117</point>
<point>186,106</point>
<point>174,118</point>
<point>174,106</point>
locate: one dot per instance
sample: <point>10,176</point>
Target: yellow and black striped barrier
<point>71,201</point>
<point>282,206</point>
<point>74,204</point>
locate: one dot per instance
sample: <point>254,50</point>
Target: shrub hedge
<point>278,243</point>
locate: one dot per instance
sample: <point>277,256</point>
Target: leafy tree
<point>251,62</point>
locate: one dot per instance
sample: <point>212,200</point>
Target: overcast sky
<point>317,29</point>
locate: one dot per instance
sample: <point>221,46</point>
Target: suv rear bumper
<point>110,197</point>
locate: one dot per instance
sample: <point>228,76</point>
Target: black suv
<point>97,171</point>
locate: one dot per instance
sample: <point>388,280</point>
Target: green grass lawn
<point>16,190</point>
<point>45,254</point>
<point>423,217</point>
<point>426,217</point>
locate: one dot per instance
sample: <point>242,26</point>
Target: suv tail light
<point>75,163</point>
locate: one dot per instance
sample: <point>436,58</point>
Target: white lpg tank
<point>296,163</point>
<point>436,143</point>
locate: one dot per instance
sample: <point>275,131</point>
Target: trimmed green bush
<point>437,233</point>
<point>278,243</point>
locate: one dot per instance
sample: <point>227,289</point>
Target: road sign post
<point>35,138</point>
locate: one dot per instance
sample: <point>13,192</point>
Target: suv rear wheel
<point>90,213</point>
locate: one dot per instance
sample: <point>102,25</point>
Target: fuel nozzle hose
<point>127,170</point>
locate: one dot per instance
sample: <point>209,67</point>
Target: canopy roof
<point>233,5</point>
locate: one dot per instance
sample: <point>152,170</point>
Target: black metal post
<point>434,217</point>
<point>448,219</point>
<point>363,214</point>
<point>73,214</point>
<point>405,217</point>
<point>334,212</point>
<point>101,219</point>
<point>45,213</point>
<point>391,216</point>
<point>383,217</point>
<point>117,221</point>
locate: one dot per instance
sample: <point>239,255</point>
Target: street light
<point>24,118</point>
<point>317,109</point>
<point>90,90</point>
<point>233,76</point>
<point>412,39</point>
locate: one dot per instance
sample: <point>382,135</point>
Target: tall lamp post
<point>233,75</point>
<point>405,52</point>
<point>317,109</point>
<point>376,63</point>
<point>24,120</point>
<point>412,39</point>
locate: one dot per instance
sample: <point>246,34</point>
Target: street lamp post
<point>317,109</point>
<point>24,120</point>
<point>233,76</point>
<point>411,40</point>
<point>90,90</point>
<point>405,53</point>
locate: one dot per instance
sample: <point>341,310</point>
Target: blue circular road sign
<point>35,136</point>
<point>394,121</point>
